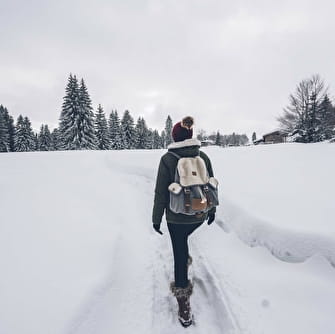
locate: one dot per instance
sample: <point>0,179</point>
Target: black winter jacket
<point>165,176</point>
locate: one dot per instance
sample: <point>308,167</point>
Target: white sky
<point>231,65</point>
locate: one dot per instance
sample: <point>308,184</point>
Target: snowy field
<point>78,254</point>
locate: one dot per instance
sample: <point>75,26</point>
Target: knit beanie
<point>183,130</point>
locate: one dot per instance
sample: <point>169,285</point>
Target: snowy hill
<point>78,254</point>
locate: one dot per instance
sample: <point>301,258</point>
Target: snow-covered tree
<point>163,139</point>
<point>301,118</point>
<point>141,134</point>
<point>156,140</point>
<point>10,127</point>
<point>56,143</point>
<point>114,129</point>
<point>88,138</point>
<point>101,129</point>
<point>150,139</point>
<point>218,140</point>
<point>326,119</point>
<point>201,134</point>
<point>44,139</point>
<point>77,117</point>
<point>168,131</point>
<point>4,132</point>
<point>128,131</point>
<point>24,136</point>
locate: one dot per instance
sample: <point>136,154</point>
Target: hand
<point>157,228</point>
<point>211,218</point>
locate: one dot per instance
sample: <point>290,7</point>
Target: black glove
<point>211,218</point>
<point>157,228</point>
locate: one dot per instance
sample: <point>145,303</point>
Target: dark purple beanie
<point>183,130</point>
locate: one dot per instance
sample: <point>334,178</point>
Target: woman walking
<point>181,225</point>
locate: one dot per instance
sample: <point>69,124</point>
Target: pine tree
<point>56,143</point>
<point>156,140</point>
<point>114,130</point>
<point>163,139</point>
<point>44,139</point>
<point>254,137</point>
<point>127,131</point>
<point>4,131</point>
<point>101,129</point>
<point>141,134</point>
<point>150,139</point>
<point>218,140</point>
<point>326,119</point>
<point>8,124</point>
<point>69,115</point>
<point>168,131</point>
<point>77,118</point>
<point>24,136</point>
<point>88,138</point>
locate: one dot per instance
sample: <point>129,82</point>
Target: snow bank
<point>279,197</point>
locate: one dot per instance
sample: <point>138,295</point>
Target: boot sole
<point>186,323</point>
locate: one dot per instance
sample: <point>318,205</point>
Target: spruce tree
<point>141,134</point>
<point>168,131</point>
<point>101,129</point>
<point>56,143</point>
<point>24,136</point>
<point>70,115</point>
<point>114,128</point>
<point>88,137</point>
<point>45,139</point>
<point>150,139</point>
<point>10,127</point>
<point>218,140</point>
<point>127,131</point>
<point>77,118</point>
<point>326,119</point>
<point>163,139</point>
<point>156,140</point>
<point>4,133</point>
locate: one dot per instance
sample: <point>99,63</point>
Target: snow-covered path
<point>136,293</point>
<point>78,254</point>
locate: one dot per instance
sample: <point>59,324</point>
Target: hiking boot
<point>183,298</point>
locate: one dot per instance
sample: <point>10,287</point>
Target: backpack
<point>193,192</point>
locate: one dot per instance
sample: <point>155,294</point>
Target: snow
<point>78,254</point>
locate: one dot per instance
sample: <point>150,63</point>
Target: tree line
<point>82,128</point>
<point>310,114</point>
<point>216,138</point>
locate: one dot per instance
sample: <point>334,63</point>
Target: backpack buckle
<point>187,199</point>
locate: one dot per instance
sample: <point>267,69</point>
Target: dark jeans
<point>179,234</point>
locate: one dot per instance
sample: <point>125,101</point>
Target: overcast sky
<point>231,65</point>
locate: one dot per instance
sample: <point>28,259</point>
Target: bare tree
<point>301,116</point>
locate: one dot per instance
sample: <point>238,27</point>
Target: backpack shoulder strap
<point>175,154</point>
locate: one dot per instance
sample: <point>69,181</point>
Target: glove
<point>157,228</point>
<point>211,218</point>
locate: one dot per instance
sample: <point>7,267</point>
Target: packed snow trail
<point>137,288</point>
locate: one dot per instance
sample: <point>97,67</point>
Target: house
<point>273,137</point>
